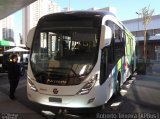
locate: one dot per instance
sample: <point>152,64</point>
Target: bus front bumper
<point>71,101</point>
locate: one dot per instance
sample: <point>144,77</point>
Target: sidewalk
<point>12,109</point>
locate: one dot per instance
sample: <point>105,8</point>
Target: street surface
<point>140,97</point>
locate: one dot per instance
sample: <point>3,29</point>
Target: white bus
<point>78,59</point>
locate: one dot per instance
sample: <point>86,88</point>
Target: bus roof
<point>83,13</point>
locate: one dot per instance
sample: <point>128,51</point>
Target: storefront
<point>153,43</point>
<point>4,45</point>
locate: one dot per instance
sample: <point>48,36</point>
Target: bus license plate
<point>52,99</point>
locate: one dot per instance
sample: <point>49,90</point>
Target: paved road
<point>139,97</point>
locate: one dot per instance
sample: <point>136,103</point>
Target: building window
<point>157,51</point>
<point>150,32</point>
<point>157,48</point>
<point>156,31</point>
<point>139,33</point>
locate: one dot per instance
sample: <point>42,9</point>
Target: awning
<point>17,49</point>
<point>6,43</point>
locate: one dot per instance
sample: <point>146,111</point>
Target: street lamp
<point>69,5</point>
<point>138,47</point>
<point>138,19</point>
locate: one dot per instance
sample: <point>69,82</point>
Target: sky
<point>126,9</point>
<point>18,25</point>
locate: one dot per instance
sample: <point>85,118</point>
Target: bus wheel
<point>117,88</point>
<point>131,71</point>
<point>22,71</point>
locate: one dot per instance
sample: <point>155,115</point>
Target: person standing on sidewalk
<point>13,74</point>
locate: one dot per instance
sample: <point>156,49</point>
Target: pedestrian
<point>13,74</point>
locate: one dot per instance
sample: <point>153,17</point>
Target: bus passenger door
<point>103,67</point>
<point>104,73</point>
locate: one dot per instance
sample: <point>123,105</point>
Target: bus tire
<point>132,69</point>
<point>22,71</point>
<point>117,90</point>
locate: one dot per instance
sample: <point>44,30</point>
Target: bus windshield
<point>64,55</point>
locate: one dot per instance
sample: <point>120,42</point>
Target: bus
<point>78,59</point>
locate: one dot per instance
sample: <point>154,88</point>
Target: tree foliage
<point>146,14</point>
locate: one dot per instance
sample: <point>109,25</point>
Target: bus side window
<point>119,43</point>
<point>117,47</point>
<point>111,48</point>
<point>111,54</point>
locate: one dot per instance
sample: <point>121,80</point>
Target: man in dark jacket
<point>13,74</point>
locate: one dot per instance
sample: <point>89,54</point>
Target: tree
<point>146,16</point>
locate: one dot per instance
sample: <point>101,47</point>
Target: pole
<point>138,47</point>
<point>69,5</point>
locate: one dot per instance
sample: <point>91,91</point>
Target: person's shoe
<point>12,97</point>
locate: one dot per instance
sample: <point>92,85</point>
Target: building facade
<point>6,33</point>
<point>6,29</point>
<point>34,12</point>
<point>153,43</point>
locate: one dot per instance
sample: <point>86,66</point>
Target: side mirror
<point>106,35</point>
<point>30,37</point>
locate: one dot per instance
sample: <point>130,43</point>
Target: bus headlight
<point>31,84</point>
<point>88,86</point>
